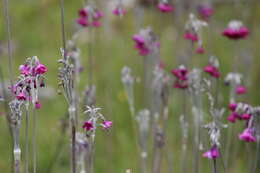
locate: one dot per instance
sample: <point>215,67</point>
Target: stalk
<point>27,138</point>
<point>34,141</point>
<point>257,154</point>
<point>90,58</point>
<point>17,150</point>
<point>214,169</point>
<point>72,114</point>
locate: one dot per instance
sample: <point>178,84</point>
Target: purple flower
<point>240,89</point>
<point>119,11</point>
<point>191,36</point>
<point>82,21</point>
<point>232,106</point>
<point>87,125</point>
<point>37,105</point>
<point>213,153</point>
<point>21,96</point>
<point>205,11</point>
<point>235,31</point>
<point>83,12</point>
<point>24,69</point>
<point>40,69</point>
<point>165,7</point>
<point>106,124</point>
<point>245,116</point>
<point>232,117</point>
<point>247,135</point>
<point>140,45</point>
<point>181,73</point>
<point>212,70</point>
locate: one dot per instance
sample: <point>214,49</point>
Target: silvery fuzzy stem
<point>184,141</point>
<point>257,154</point>
<point>34,142</point>
<point>72,114</point>
<point>90,57</point>
<point>17,150</point>
<point>27,139</point>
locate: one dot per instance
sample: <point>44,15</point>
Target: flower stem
<point>34,141</point>
<point>214,166</point>
<point>257,154</point>
<point>26,140</point>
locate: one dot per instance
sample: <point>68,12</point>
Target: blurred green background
<point>35,29</point>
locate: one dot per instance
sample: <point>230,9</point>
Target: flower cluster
<point>145,41</point>
<point>235,30</point>
<point>181,75</point>
<point>93,121</point>
<point>205,11</point>
<point>212,67</point>
<point>238,113</point>
<point>193,32</point>
<point>30,80</point>
<point>89,16</point>
<point>119,10</point>
<point>165,7</point>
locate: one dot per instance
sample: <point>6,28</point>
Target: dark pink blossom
<point>83,12</point>
<point>140,45</point>
<point>40,69</point>
<point>232,106</point>
<point>118,11</point>
<point>247,135</point>
<point>200,50</point>
<point>37,105</point>
<point>212,70</point>
<point>180,73</point>
<point>232,117</point>
<point>205,11</point>
<point>87,126</point>
<point>191,36</point>
<point>240,89</point>
<point>213,153</point>
<point>245,116</point>
<point>82,21</point>
<point>24,69</point>
<point>165,7</point>
<point>21,96</point>
<point>235,31</point>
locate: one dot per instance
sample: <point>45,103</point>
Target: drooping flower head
<point>247,135</point>
<point>145,41</point>
<point>235,30</point>
<point>89,16</point>
<point>212,67</point>
<point>181,75</point>
<point>205,11</point>
<point>165,7</point>
<point>213,153</point>
<point>240,90</point>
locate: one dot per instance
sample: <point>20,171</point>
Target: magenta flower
<point>240,89</point>
<point>87,126</point>
<point>89,16</point>
<point>37,105</point>
<point>40,69</point>
<point>247,135</point>
<point>82,21</point>
<point>96,23</point>
<point>213,153</point>
<point>21,96</point>
<point>232,106</point>
<point>212,71</point>
<point>140,45</point>
<point>165,7</point>
<point>200,50</point>
<point>245,116</point>
<point>106,124</point>
<point>119,11</point>
<point>181,73</point>
<point>191,36</point>
<point>24,69</point>
<point>232,117</point>
<point>235,31</point>
<point>83,12</point>
<point>205,11</point>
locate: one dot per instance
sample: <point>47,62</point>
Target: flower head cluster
<point>212,67</point>
<point>165,7</point>
<point>205,11</point>
<point>95,119</point>
<point>239,111</point>
<point>145,41</point>
<point>30,80</point>
<point>181,75</point>
<point>119,10</point>
<point>89,16</point>
<point>193,32</point>
<point>235,30</point>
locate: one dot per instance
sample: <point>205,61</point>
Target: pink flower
<point>83,12</point>
<point>240,89</point>
<point>119,11</point>
<point>97,15</point>
<point>37,105</point>
<point>40,69</point>
<point>87,126</point>
<point>247,135</point>
<point>106,124</point>
<point>96,23</point>
<point>232,106</point>
<point>245,116</point>
<point>24,69</point>
<point>205,11</point>
<point>21,96</point>
<point>181,73</point>
<point>235,31</point>
<point>82,21</point>
<point>140,45</point>
<point>212,70</point>
<point>232,117</point>
<point>165,7</point>
<point>213,153</point>
<point>191,36</point>
<point>200,50</point>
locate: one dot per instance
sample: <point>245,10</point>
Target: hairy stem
<point>257,155</point>
<point>26,167</point>
<point>34,141</point>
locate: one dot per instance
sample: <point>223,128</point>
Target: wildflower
<point>245,116</point>
<point>89,16</point>
<point>21,96</point>
<point>82,21</point>
<point>235,30</point>
<point>191,36</point>
<point>87,125</point>
<point>213,153</point>
<point>232,106</point>
<point>83,12</point>
<point>205,11</point>
<point>212,70</point>
<point>40,69</point>
<point>106,124</point>
<point>165,7</point>
<point>232,117</point>
<point>200,50</point>
<point>24,69</point>
<point>181,73</point>
<point>119,11</point>
<point>37,105</point>
<point>240,89</point>
<point>247,135</point>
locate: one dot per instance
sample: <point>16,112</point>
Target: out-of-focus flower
<point>212,67</point>
<point>87,125</point>
<point>240,89</point>
<point>37,105</point>
<point>213,153</point>
<point>165,7</point>
<point>89,16</point>
<point>205,11</point>
<point>106,124</point>
<point>247,135</point>
<point>200,50</point>
<point>119,11</point>
<point>181,74</point>
<point>235,30</point>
